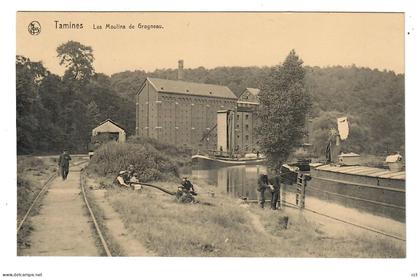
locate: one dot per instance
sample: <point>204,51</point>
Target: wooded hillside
<point>372,99</point>
<point>55,112</point>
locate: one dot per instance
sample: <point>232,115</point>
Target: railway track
<point>85,199</point>
<point>92,215</point>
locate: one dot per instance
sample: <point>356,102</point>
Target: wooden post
<point>282,198</point>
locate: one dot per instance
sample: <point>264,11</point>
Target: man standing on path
<point>64,163</point>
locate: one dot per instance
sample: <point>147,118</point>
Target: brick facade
<point>180,118</point>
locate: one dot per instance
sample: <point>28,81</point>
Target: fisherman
<point>64,163</point>
<point>262,185</point>
<point>187,186</point>
<point>185,191</point>
<point>125,177</point>
<point>274,184</point>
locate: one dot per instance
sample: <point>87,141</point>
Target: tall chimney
<point>180,69</point>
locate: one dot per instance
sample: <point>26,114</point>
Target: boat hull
<point>207,162</point>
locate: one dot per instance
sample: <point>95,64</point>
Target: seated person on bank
<point>125,177</point>
<point>187,187</point>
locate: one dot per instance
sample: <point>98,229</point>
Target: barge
<point>375,190</point>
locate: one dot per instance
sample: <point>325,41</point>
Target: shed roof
<point>190,88</point>
<point>110,121</point>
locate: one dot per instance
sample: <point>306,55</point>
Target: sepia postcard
<point>211,134</point>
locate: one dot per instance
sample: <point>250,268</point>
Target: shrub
<point>150,163</point>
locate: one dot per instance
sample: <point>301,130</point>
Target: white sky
<point>374,40</point>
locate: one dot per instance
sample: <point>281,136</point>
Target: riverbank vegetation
<point>151,159</point>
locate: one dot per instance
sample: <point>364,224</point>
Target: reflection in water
<point>237,181</point>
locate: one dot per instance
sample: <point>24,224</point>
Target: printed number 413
<point>414,274</point>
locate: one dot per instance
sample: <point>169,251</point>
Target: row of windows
<point>246,137</point>
<point>196,99</point>
<point>246,126</point>
<point>246,117</point>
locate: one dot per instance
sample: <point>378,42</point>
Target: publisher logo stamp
<point>34,28</point>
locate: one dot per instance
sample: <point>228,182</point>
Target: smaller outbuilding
<point>108,130</point>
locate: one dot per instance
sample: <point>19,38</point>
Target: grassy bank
<point>220,226</point>
<point>32,173</point>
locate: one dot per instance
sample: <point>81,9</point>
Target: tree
<point>358,141</point>
<point>284,105</point>
<point>29,76</point>
<point>78,59</point>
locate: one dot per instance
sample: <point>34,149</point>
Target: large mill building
<point>185,113</point>
<point>180,112</point>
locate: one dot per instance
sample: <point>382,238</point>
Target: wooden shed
<point>109,130</point>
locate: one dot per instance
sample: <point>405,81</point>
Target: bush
<point>150,163</point>
<point>177,154</point>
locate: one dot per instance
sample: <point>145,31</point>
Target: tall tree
<point>283,111</point>
<point>29,76</point>
<point>78,59</point>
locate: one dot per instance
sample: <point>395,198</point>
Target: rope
<point>156,187</point>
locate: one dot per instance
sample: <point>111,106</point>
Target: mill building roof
<point>191,88</point>
<point>253,91</point>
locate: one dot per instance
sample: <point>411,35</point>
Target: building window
<point>246,137</point>
<point>237,125</point>
<point>246,116</point>
<point>246,127</point>
<point>237,116</point>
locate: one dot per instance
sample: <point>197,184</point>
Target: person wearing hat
<point>124,177</point>
<point>187,185</point>
<point>64,163</point>
<point>185,191</point>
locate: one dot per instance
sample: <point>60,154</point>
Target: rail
<point>92,215</point>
